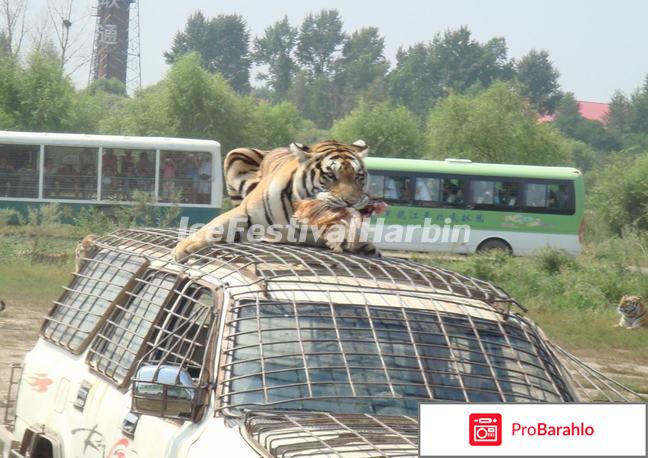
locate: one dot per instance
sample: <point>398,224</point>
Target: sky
<point>598,46</point>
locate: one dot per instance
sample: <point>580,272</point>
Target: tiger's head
<point>333,172</point>
<point>630,306</point>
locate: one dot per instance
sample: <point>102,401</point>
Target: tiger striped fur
<point>633,313</point>
<point>266,184</point>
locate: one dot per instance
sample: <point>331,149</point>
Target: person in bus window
<point>392,189</point>
<point>168,178</point>
<point>6,172</point>
<point>204,185</point>
<point>191,172</point>
<point>562,197</point>
<point>144,172</point>
<point>88,180</point>
<point>27,181</point>
<point>422,191</point>
<point>127,174</point>
<point>109,172</point>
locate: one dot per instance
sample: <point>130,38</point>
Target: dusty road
<point>19,328</point>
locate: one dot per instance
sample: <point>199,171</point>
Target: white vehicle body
<point>467,241</point>
<point>75,401</point>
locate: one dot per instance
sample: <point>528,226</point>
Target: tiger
<point>82,251</point>
<point>633,313</point>
<point>265,186</point>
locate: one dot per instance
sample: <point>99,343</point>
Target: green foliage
<point>320,39</point>
<point>144,114</point>
<point>93,220</point>
<point>620,193</point>
<point>539,80</point>
<point>572,124</point>
<point>107,86</point>
<point>553,261</point>
<point>201,105</point>
<point>36,97</point>
<point>361,67</point>
<point>276,50</point>
<point>388,130</point>
<point>494,126</point>
<point>223,44</point>
<point>274,125</point>
<point>451,62</point>
<point>8,216</point>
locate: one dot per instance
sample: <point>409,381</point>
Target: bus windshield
<point>379,360</point>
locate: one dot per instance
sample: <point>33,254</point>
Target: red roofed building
<point>594,111</point>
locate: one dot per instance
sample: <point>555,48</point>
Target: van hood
<point>280,433</point>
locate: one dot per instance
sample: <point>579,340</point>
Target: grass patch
<point>24,282</point>
<point>572,299</point>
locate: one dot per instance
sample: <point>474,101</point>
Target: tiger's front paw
<point>367,249</point>
<point>184,249</point>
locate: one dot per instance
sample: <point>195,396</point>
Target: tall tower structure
<point>116,49</point>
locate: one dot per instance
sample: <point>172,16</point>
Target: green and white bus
<point>517,208</point>
<point>104,171</point>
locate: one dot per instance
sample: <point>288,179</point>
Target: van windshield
<point>379,360</point>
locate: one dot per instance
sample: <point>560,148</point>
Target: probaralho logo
<point>485,429</point>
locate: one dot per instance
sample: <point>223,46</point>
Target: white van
<point>269,350</point>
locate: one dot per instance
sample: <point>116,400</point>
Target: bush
<point>620,193</point>
<point>389,130</point>
<point>553,261</point>
<point>497,126</point>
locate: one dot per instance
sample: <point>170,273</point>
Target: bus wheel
<point>494,244</point>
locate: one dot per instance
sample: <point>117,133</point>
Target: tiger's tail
<point>241,170</point>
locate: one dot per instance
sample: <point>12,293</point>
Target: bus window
<point>426,190</point>
<point>557,196</point>
<point>535,195</point>
<point>70,173</point>
<point>390,188</point>
<point>19,171</point>
<point>185,177</point>
<point>125,171</point>
<point>482,192</point>
<point>499,193</point>
<point>453,191</point>
<point>396,188</point>
<point>376,185</point>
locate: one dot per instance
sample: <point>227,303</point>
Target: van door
<point>162,322</point>
<point>182,345</point>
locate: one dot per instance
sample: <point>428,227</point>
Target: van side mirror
<point>166,391</point>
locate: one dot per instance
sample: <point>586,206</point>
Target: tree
<point>617,118</point>
<point>638,109</point>
<point>12,25</point>
<point>452,62</point>
<point>570,122</point>
<point>276,50</point>
<point>70,45</point>
<point>319,42</point>
<point>273,125</point>
<point>361,66</point>
<point>223,44</point>
<point>389,130</point>
<point>539,80</point>
<point>494,126</point>
<point>620,193</point>
<point>46,96</point>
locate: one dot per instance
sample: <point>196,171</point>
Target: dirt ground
<point>20,325</point>
<point>19,328</point>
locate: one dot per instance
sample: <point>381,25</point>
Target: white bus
<point>106,170</point>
